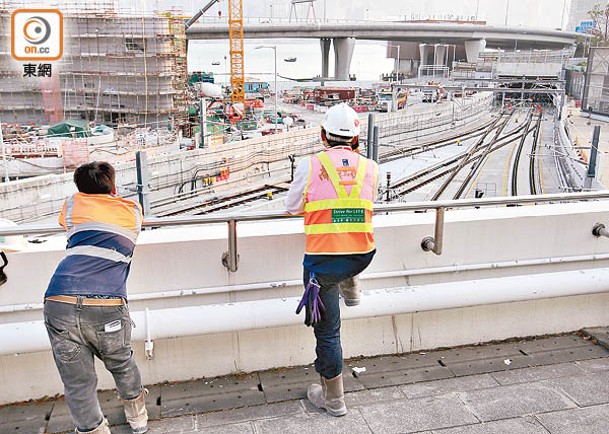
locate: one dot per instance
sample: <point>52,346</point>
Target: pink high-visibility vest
<point>338,203</point>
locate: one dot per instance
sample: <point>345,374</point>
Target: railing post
<point>434,244</point>
<point>230,259</point>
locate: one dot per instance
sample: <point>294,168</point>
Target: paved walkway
<point>581,127</point>
<point>556,385</point>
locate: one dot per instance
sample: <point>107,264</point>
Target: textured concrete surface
<point>549,385</point>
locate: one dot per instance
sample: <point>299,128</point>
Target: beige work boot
<point>349,290</point>
<point>330,395</point>
<point>135,410</point>
<point>102,428</point>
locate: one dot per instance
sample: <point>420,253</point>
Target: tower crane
<point>235,31</point>
<point>237,69</point>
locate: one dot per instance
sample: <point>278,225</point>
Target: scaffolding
<point>118,68</point>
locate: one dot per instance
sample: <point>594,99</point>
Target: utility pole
<point>203,121</point>
<point>370,137</point>
<point>593,153</point>
<point>141,165</point>
<point>375,154</point>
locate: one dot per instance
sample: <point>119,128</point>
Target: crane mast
<point>237,69</point>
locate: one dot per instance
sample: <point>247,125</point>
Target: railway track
<point>225,202</point>
<point>447,167</point>
<point>484,152</point>
<point>516,161</point>
<point>533,179</point>
<point>405,151</point>
<point>473,158</point>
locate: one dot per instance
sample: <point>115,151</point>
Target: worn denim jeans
<point>77,334</point>
<point>329,361</point>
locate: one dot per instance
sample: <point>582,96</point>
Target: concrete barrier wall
<point>537,243</point>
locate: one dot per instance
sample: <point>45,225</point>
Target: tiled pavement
<point>555,385</point>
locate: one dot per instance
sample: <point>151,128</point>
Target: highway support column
<point>325,56</point>
<point>343,52</point>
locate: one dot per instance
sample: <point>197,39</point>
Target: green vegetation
<point>600,31</point>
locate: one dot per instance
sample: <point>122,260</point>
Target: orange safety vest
<point>102,231</point>
<point>338,203</point>
<point>101,212</point>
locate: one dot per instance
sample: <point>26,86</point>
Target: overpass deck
<point>548,385</point>
<point>431,33</point>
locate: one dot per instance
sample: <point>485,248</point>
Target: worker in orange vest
<point>335,189</point>
<point>85,309</point>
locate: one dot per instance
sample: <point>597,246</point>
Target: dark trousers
<point>329,361</point>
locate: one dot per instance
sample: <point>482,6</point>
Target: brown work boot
<point>102,428</point>
<point>135,410</point>
<point>349,290</point>
<point>330,395</point>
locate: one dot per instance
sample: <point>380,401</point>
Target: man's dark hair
<point>96,177</point>
<point>330,138</point>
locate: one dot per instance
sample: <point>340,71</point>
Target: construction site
<point>117,69</point>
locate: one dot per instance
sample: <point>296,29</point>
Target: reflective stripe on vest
<point>341,224</point>
<point>101,214</point>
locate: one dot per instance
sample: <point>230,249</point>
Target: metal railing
<point>230,258</point>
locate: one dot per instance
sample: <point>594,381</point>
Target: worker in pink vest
<point>335,190</point>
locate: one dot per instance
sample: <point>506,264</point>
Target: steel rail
<point>497,125</point>
<point>398,186</point>
<point>401,191</point>
<point>485,152</point>
<point>533,157</point>
<point>516,161</point>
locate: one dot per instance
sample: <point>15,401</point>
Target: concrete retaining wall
<point>533,243</point>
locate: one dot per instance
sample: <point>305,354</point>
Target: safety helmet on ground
<point>341,123</point>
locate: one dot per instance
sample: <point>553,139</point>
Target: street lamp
<point>274,47</point>
<point>397,77</point>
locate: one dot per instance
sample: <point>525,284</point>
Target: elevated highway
<point>474,37</point>
<point>432,33</point>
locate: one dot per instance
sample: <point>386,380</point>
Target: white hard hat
<point>12,243</point>
<point>342,121</point>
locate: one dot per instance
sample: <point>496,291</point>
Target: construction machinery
<point>235,27</point>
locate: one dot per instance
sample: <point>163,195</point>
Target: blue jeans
<point>329,361</point>
<point>77,334</point>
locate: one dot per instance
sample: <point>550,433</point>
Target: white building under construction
<point>117,68</point>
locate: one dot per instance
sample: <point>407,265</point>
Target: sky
<point>526,13</point>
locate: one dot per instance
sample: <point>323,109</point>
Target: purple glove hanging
<point>312,301</point>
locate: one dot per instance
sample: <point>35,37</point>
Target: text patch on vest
<point>348,215</point>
